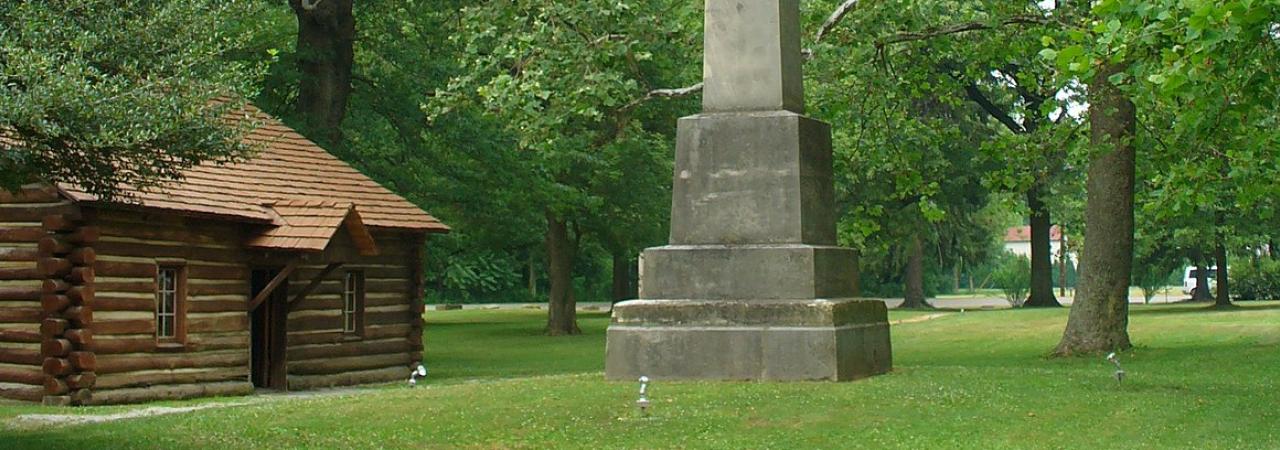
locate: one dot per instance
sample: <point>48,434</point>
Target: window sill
<point>170,347</point>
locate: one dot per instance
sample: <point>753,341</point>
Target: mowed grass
<point>1198,379</point>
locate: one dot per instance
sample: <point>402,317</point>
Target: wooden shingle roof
<point>288,167</point>
<point>309,225</point>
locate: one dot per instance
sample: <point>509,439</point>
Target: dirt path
<point>917,319</point>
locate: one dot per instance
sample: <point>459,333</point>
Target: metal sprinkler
<point>643,402</point>
<point>1119,370</point>
<point>421,371</point>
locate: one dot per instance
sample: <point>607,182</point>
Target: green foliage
<point>1013,276</point>
<point>102,93</point>
<point>1259,280</point>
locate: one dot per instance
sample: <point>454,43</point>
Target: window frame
<point>178,316</point>
<point>353,301</point>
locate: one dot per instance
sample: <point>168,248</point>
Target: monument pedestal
<point>752,285</point>
<point>764,340</point>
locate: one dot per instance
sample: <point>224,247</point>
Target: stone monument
<point>752,285</point>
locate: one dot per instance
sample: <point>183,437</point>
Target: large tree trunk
<point>1223,298</point>
<point>913,288</point>
<point>1099,319</point>
<point>562,307</point>
<point>622,285</point>
<point>326,37</point>
<point>1041,294</point>
<point>1201,292</point>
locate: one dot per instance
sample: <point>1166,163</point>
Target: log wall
<point>214,357</point>
<point>320,354</point>
<point>22,286</point>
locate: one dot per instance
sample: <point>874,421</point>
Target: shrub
<point>1013,276</point>
<point>1254,282</point>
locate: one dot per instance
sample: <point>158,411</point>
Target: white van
<point>1189,279</point>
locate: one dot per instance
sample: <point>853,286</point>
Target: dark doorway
<point>268,332</point>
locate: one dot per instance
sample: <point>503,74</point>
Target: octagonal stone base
<point>766,340</point>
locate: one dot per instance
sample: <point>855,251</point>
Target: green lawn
<point>1198,379</point>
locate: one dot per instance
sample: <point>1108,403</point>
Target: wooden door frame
<point>274,326</point>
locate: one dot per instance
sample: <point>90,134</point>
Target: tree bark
<point>562,305</point>
<point>1099,318</point>
<point>1041,294</point>
<point>913,289</point>
<point>533,278</point>
<point>1201,292</point>
<point>1062,262</point>
<point>621,277</point>
<point>1223,297</point>
<point>326,38</point>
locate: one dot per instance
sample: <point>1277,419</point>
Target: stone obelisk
<point>752,285</point>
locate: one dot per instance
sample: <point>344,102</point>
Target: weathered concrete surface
<point>731,272</point>
<point>751,60</point>
<point>770,340</point>
<point>758,178</point>
<point>752,286</point>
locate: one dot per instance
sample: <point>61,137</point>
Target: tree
<point>563,80</point>
<point>325,51</point>
<point>103,94</point>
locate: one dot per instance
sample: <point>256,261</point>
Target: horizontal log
<point>60,222</point>
<point>218,324</point>
<point>79,316</point>
<point>191,253</point>
<point>33,376</point>
<point>55,267</point>
<point>21,273</point>
<point>84,236</point>
<point>236,288</point>
<point>21,234</point>
<point>84,380</point>
<point>51,286</point>
<point>56,347</point>
<point>21,315</point>
<point>83,256</point>
<point>57,367</point>
<point>356,348</point>
<point>19,293</point>
<point>334,302</point>
<point>80,397</point>
<point>20,356</point>
<point>170,392</point>
<point>153,378</point>
<point>31,193</point>
<point>34,212</point>
<point>19,254</point>
<point>195,343</point>
<point>26,394</point>
<point>81,275</point>
<point>108,364</point>
<point>53,327</point>
<point>23,337</point>
<point>214,306</point>
<point>55,386</point>
<point>221,236</point>
<point>55,245</point>
<point>124,304</point>
<point>130,286</point>
<point>347,364</point>
<point>83,361</point>
<point>301,382</point>
<point>81,295</point>
<point>370,333</point>
<point>113,327</point>
<point>53,303</point>
<point>81,337</point>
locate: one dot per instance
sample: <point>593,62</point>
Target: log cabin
<point>289,270</point>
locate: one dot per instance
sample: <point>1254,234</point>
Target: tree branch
<point>834,19</point>
<point>929,33</point>
<point>994,111</point>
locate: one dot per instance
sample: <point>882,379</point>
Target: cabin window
<point>353,303</point>
<point>170,290</point>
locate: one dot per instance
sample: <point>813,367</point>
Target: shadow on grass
<point>1206,308</point>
